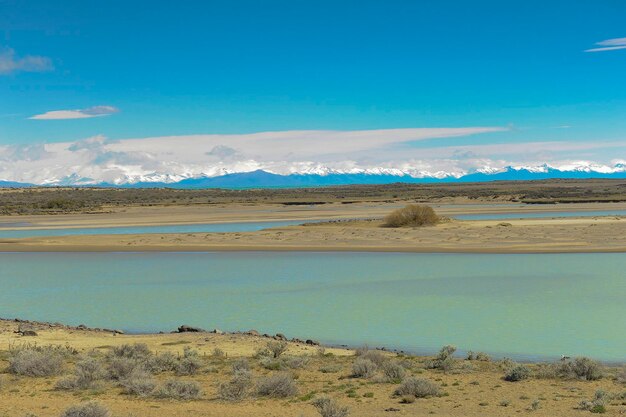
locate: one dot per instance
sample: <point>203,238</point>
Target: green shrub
<point>413,215</point>
<point>418,388</point>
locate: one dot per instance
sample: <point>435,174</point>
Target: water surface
<point>126,230</point>
<point>527,306</point>
<point>539,215</point>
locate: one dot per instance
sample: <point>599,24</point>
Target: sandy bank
<point>570,235</point>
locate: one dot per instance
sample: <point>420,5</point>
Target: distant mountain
<point>263,179</point>
<point>13,184</point>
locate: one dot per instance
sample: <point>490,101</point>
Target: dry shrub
<point>392,371</point>
<point>37,362</point>
<point>121,367</point>
<point>237,388</point>
<point>418,388</point>
<point>134,351</point>
<point>179,390</point>
<point>87,375</point>
<point>478,356</point>
<point>328,407</point>
<point>363,368</point>
<point>598,404</point>
<point>88,409</point>
<point>444,360</point>
<point>581,368</point>
<point>294,362</point>
<point>277,347</point>
<point>413,215</point>
<point>190,363</point>
<point>375,356</point>
<point>241,364</point>
<point>139,382</point>
<point>517,373</point>
<point>277,386</point>
<point>162,362</point>
<point>330,368</point>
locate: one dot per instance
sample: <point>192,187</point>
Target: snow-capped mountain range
<point>321,176</point>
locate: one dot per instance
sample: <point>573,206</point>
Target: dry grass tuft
<point>413,215</point>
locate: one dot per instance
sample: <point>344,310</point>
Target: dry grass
<point>236,385</point>
<point>413,215</point>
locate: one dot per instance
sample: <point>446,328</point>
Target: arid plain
<point>345,219</point>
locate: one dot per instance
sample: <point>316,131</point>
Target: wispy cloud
<point>609,45</point>
<point>10,63</point>
<point>99,159</point>
<point>177,157</point>
<point>96,111</point>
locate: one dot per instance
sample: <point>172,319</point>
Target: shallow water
<point>177,228</point>
<point>525,306</point>
<point>539,215</point>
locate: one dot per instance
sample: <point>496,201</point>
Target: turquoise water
<point>177,228</point>
<point>526,306</point>
<point>542,215</point>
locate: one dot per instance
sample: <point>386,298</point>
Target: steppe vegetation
<point>52,200</point>
<point>89,382</point>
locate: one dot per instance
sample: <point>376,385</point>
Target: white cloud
<point>609,45</point>
<point>394,151</point>
<point>10,64</point>
<point>96,111</point>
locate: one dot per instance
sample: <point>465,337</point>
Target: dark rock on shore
<point>189,329</point>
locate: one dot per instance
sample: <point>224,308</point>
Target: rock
<point>253,332</point>
<point>280,336</point>
<point>81,327</point>
<point>29,333</point>
<point>312,342</point>
<point>116,331</point>
<point>189,329</point>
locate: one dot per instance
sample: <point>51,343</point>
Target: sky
<point>123,91</point>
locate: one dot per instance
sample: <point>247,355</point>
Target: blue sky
<point>153,69</point>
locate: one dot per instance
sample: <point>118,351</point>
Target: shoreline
<point>302,249</point>
<point>36,325</point>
